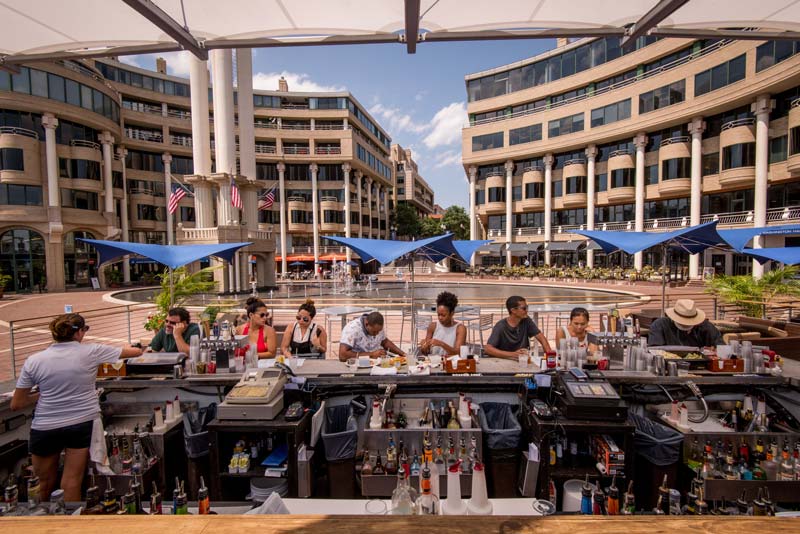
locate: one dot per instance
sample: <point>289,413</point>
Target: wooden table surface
<point>645,524</point>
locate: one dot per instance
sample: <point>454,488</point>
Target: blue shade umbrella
<point>296,264</point>
<point>786,255</point>
<point>739,237</point>
<point>466,249</point>
<point>352,263</point>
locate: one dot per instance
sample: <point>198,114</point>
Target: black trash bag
<point>195,433</point>
<point>339,433</point>
<point>657,443</point>
<point>499,425</point>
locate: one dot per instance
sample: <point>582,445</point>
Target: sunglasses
<point>173,323</point>
<point>304,319</point>
<point>84,328</point>
<point>523,308</point>
<point>263,315</point>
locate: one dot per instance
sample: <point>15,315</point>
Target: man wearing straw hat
<point>685,326</point>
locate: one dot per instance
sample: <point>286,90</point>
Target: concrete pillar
<point>201,136</point>
<point>50,123</point>
<point>359,175</point>
<point>509,167</point>
<point>548,205</point>
<point>696,128</point>
<point>247,138</point>
<point>123,216</point>
<point>761,108</point>
<point>473,212</point>
<point>315,212</point>
<point>167,159</point>
<point>203,201</point>
<point>107,142</point>
<point>369,207</point>
<point>237,271</point>
<point>225,211</point>
<point>283,215</point>
<point>249,191</point>
<point>640,142</point>
<point>347,208</point>
<point>591,155</point>
<point>225,142</point>
<point>386,211</point>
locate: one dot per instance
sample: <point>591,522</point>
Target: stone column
<point>509,167</point>
<point>247,139</point>
<point>201,136</point>
<point>369,207</point>
<point>225,143</point>
<point>107,142</point>
<point>696,128</point>
<point>315,212</point>
<point>387,232</point>
<point>347,208</point>
<point>548,205</point>
<point>473,212</point>
<point>359,175</point>
<point>123,215</point>
<point>203,201</point>
<point>761,108</point>
<point>283,214</point>
<point>249,190</point>
<point>50,123</point>
<point>166,157</point>
<point>591,154</point>
<point>640,142</point>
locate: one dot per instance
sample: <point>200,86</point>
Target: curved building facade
<point>673,133</point>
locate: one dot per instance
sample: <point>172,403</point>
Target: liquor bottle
<point>786,469</point>
<point>744,450</point>
<point>156,506</point>
<point>391,457</point>
<point>203,502</point>
<point>759,507</point>
<point>427,449</point>
<point>125,456</point>
<point>629,506</point>
<point>463,456</point>
<point>403,461</point>
<point>402,421</point>
<point>691,503</point>
<point>451,452</point>
<point>707,471</point>
<point>695,458</point>
<point>114,461</point>
<point>427,503</point>
<point>401,497</point>
<point>110,505</point>
<point>415,465</point>
<point>366,466</point>
<point>453,424</point>
<point>35,497</point>
<point>662,506</point>
<point>438,452</point>
<point>11,495</point>
<point>57,506</point>
<point>700,504</point>
<point>378,469</point>
<point>744,472</point>
<point>742,505</point>
<point>599,503</point>
<point>128,502</point>
<point>182,505</point>
<point>93,505</point>
<point>729,471</point>
<point>586,497</point>
<point>613,497</point>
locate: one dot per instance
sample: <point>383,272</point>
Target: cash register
<point>588,395</point>
<point>258,395</point>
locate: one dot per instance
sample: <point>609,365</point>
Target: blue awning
<point>466,249</point>
<point>173,256</point>
<point>693,239</point>
<point>787,255</point>
<point>739,238</point>
<point>385,251</point>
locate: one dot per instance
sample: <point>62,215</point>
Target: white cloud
<point>297,81</point>
<point>398,121</point>
<point>132,60</point>
<point>419,96</point>
<point>446,125</point>
<point>177,62</point>
<point>447,158</point>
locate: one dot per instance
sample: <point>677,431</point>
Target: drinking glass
<point>376,507</point>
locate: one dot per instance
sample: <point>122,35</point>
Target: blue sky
<point>419,99</point>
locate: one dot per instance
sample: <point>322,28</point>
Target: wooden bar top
<point>235,524</point>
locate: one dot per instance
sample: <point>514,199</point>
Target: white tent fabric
<point>83,27</point>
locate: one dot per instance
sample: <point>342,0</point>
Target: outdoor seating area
<point>576,273</point>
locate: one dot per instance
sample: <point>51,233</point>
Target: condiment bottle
<point>182,507</point>
<point>203,502</point>
<point>629,507</point>
<point>110,505</point>
<point>613,497</point>
<point>155,502</point>
<point>586,498</point>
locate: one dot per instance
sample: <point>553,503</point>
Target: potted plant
<point>113,277</point>
<point>4,280</point>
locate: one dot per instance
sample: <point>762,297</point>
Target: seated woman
<point>578,327</point>
<point>304,336</point>
<point>445,335</point>
<point>258,330</point>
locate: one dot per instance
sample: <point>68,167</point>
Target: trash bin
<point>658,453</point>
<point>339,438</point>
<point>501,434</point>
<point>195,433</point>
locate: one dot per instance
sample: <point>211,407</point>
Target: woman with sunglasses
<point>258,330</point>
<point>66,403</point>
<point>305,336</point>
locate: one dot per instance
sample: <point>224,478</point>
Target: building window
<point>651,174</point>
<point>719,76</point>
<point>181,165</point>
<point>566,125</point>
<point>528,220</point>
<point>82,169</point>
<point>534,190</point>
<point>660,209</point>
<point>487,141</point>
<point>740,155</point>
<point>528,134</point>
<point>783,195</point>
<point>601,182</point>
<point>611,113</point>
<point>12,159</point>
<point>778,149</point>
<point>20,195</point>
<point>187,214</point>
<point>733,201</point>
<point>623,178</point>
<point>773,52</point>
<point>301,217</point>
<point>710,163</point>
<point>333,217</point>
<point>144,161</point>
<point>558,188</point>
<point>147,212</point>
<point>80,200</point>
<point>480,196</point>
<point>575,185</point>
<point>497,194</point>
<point>569,217</point>
<point>794,141</point>
<point>662,97</point>
<point>22,256</point>
<point>516,192</point>
<point>675,168</point>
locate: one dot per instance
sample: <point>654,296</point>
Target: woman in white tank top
<point>445,335</point>
<point>578,327</point>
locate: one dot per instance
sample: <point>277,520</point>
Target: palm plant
<point>184,285</point>
<point>752,294</point>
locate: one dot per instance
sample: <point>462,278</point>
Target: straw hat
<point>686,313</point>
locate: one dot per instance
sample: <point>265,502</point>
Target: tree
<point>184,285</point>
<point>430,227</point>
<point>752,293</point>
<point>456,220</point>
<point>406,220</point>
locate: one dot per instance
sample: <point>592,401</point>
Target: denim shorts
<point>50,442</point>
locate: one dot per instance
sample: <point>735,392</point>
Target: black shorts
<point>50,442</point>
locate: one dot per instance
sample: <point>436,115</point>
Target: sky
<point>419,99</point>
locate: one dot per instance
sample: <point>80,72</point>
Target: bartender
<point>684,326</point>
<point>176,333</point>
<point>365,336</point>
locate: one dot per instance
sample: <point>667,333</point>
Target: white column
<point>167,159</point>
<point>123,216</point>
<point>247,138</point>
<point>359,175</point>
<point>473,213</point>
<point>369,207</point>
<point>50,123</point>
<point>591,154</point>
<point>347,208</point>
<point>640,142</point>
<point>237,271</point>
<point>696,128</point>
<point>201,136</point>
<point>225,145</point>
<point>548,205</point>
<point>315,212</point>
<point>203,201</point>
<point>386,211</point>
<point>761,108</point>
<point>509,209</point>
<point>283,215</point>
<point>107,141</point>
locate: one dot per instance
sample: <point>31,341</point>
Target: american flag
<point>236,198</point>
<point>178,192</point>
<point>267,200</point>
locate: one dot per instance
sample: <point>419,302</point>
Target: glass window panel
<point>97,101</point>
<point>38,83</point>
<point>86,97</point>
<point>21,82</point>
<point>73,93</point>
<point>5,81</point>
<point>55,86</point>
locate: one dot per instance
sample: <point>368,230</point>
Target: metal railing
<point>674,140</point>
<point>329,199</point>
<point>141,191</point>
<point>298,199</point>
<point>327,150</point>
<point>85,144</point>
<point>576,161</point>
<point>294,106</point>
<point>621,152</point>
<point>179,114</point>
<point>180,140</point>
<point>266,149</point>
<point>268,125</point>
<point>747,121</point>
<point>795,103</point>
<point>141,135</point>
<point>532,168</point>
<point>13,130</point>
<point>143,108</point>
<point>285,126</point>
<point>329,126</point>
<point>300,150</point>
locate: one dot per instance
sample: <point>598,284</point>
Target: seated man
<point>176,333</point>
<point>364,336</point>
<point>511,336</point>
<point>684,325</point>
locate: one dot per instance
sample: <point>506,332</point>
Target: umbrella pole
<point>171,289</point>
<point>413,309</point>
<point>663,279</point>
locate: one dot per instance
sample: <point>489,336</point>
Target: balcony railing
<point>329,199</point>
<point>495,173</point>
<point>295,126</point>
<point>200,234</point>
<point>265,235</point>
<point>141,191</point>
<point>298,199</point>
<point>268,125</point>
<point>674,140</point>
<point>747,121</point>
<point>85,144</point>
<point>532,168</point>
<point>576,161</point>
<point>622,152</point>
<point>327,150</point>
<point>301,150</point>
<point>266,149</point>
<point>178,114</point>
<point>327,249</point>
<point>13,130</point>
<point>142,135</point>
<point>294,106</point>
<point>795,102</point>
<point>329,126</point>
<point>180,140</point>
<point>669,66</point>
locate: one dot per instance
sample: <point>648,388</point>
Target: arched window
<point>22,256</point>
<point>80,259</point>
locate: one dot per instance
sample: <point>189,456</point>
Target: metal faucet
<point>388,391</point>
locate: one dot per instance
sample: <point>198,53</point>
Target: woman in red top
<point>258,332</point>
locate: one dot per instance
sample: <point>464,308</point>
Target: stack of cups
<point>194,354</point>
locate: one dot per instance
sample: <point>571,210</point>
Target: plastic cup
<point>523,360</point>
<point>376,507</point>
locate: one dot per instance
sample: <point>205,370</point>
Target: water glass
<point>376,507</point>
<point>523,360</point>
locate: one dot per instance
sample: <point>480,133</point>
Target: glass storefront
<point>80,260</point>
<point>22,256</point>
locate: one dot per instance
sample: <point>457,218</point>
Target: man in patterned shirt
<point>364,336</point>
